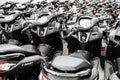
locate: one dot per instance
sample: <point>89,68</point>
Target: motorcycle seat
<point>82,54</point>
<point>45,49</point>
<point>30,49</point>
<point>69,63</point>
<point>26,49</point>
<point>9,18</point>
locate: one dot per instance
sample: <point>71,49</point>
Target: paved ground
<point>101,72</point>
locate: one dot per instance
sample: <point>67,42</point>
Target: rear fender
<point>24,64</point>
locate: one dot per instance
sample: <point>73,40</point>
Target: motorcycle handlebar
<point>31,24</point>
<point>68,35</point>
<point>79,28</point>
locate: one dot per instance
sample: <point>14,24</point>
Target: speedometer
<point>43,19</point>
<point>85,23</point>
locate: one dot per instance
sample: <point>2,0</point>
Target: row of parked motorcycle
<point>32,34</point>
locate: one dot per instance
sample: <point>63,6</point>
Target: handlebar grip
<point>26,28</point>
<point>68,35</point>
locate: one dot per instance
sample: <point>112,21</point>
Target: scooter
<point>82,62</point>
<point>17,62</point>
<point>8,6</point>
<point>24,61</point>
<point>112,62</point>
<point>11,26</point>
<point>48,30</point>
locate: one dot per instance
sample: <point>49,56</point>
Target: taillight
<point>103,49</point>
<point>5,66</point>
<point>44,77</point>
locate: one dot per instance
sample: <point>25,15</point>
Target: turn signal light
<point>1,78</point>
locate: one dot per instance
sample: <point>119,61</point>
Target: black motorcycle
<point>47,28</point>
<point>17,62</point>
<point>11,27</point>
<point>82,62</point>
<point>25,61</point>
<point>112,62</point>
<point>8,6</point>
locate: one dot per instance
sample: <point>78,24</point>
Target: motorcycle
<point>112,66</point>
<point>25,61</point>
<point>17,62</point>
<point>8,6</point>
<point>79,64</point>
<point>47,27</point>
<point>11,26</point>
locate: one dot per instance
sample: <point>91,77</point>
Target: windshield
<point>43,19</point>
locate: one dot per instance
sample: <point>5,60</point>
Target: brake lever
<point>23,30</point>
<point>26,28</point>
<point>68,35</point>
<point>74,30</point>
